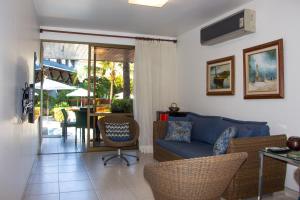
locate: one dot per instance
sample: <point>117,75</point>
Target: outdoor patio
<point>52,138</point>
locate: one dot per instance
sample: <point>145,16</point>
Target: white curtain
<point>155,85</point>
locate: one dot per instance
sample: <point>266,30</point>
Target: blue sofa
<point>205,132</point>
<point>251,137</point>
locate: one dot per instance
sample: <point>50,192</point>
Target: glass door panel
<point>110,78</point>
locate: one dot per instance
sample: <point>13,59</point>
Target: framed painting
<point>264,71</point>
<point>220,76</point>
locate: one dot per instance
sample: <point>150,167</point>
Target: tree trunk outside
<point>111,91</point>
<point>126,80</point>
<point>112,82</point>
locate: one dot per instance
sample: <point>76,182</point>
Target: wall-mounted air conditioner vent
<point>236,25</point>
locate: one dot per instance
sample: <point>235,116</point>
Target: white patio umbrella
<point>50,85</point>
<point>80,92</point>
<point>53,85</point>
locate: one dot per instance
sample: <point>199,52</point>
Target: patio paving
<point>52,141</point>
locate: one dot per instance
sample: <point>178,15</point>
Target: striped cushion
<point>118,131</point>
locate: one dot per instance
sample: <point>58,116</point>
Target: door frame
<point>90,44</point>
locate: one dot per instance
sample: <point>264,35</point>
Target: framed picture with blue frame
<point>220,76</point>
<point>264,71</point>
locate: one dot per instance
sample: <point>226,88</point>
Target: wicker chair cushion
<point>179,131</point>
<point>222,142</point>
<point>187,150</point>
<point>118,132</point>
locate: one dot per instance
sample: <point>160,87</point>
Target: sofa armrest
<point>253,144</point>
<point>159,153</point>
<point>245,183</point>
<point>159,130</point>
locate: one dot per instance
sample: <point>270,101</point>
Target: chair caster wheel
<point>102,158</point>
<point>128,165</point>
<point>105,164</point>
<point>137,159</point>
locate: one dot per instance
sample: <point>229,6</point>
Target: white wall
<point>19,38</point>
<point>275,19</point>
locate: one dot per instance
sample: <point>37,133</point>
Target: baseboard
<point>34,163</point>
<point>146,148</point>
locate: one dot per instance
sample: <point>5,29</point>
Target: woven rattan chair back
<point>193,179</point>
<point>133,130</point>
<point>133,126</point>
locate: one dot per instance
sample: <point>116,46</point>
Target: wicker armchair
<point>193,179</point>
<point>134,132</point>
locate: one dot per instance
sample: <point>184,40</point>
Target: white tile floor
<point>51,145</point>
<point>83,177</point>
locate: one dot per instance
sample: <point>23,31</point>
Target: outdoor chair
<point>193,179</point>
<point>119,132</point>
<point>81,123</point>
<point>65,124</point>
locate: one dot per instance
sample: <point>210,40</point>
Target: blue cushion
<point>209,128</point>
<point>118,132</point>
<point>244,132</point>
<point>243,122</point>
<point>205,128</point>
<point>259,130</point>
<point>222,142</point>
<point>249,128</point>
<point>187,150</point>
<point>172,118</point>
<point>179,131</point>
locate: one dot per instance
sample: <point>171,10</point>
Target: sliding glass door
<point>61,93</point>
<point>110,86</point>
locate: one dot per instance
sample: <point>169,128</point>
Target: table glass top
<point>289,155</point>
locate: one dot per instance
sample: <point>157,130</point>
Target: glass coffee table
<point>278,156</point>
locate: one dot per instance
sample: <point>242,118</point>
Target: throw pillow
<point>179,131</point>
<point>222,142</point>
<point>118,131</point>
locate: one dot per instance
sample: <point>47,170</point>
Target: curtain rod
<point>107,35</point>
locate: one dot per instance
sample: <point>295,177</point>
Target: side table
<point>279,156</point>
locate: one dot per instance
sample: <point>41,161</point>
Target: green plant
<point>58,115</point>
<point>122,106</point>
<point>62,104</point>
<point>56,111</point>
<point>102,87</point>
<point>118,87</point>
<point>62,96</point>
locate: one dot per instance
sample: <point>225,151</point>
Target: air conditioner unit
<point>234,26</point>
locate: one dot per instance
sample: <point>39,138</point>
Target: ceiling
<point>72,51</point>
<point>69,51</point>
<point>176,17</point>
